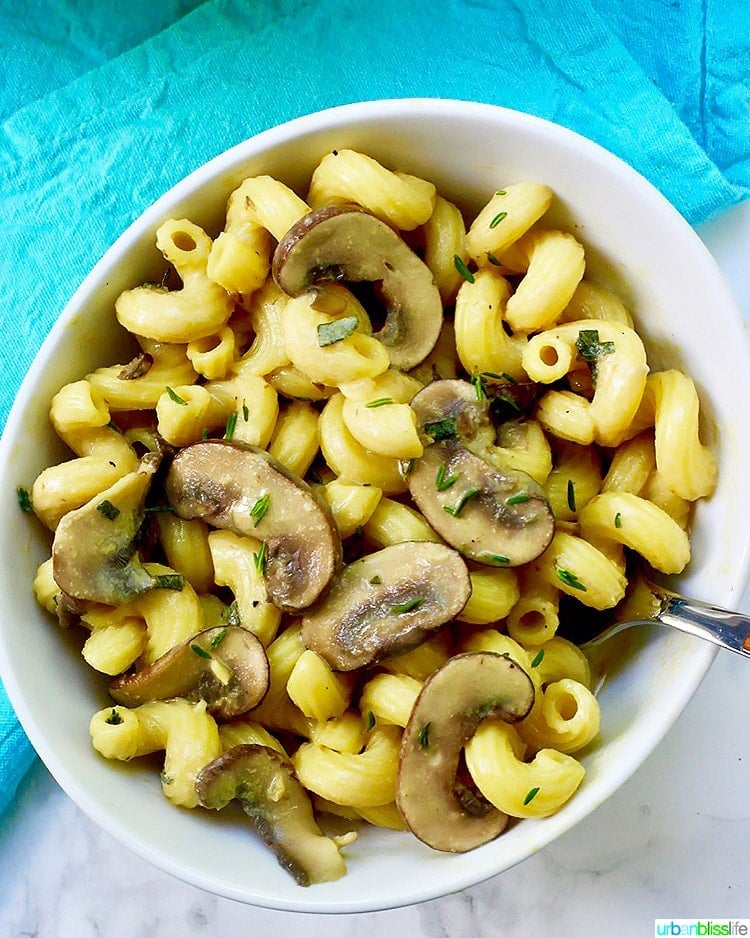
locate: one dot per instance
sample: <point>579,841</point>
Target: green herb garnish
<point>530,795</point>
<point>442,429</point>
<point>497,219</point>
<point>245,412</point>
<point>442,481</point>
<point>590,349</point>
<point>493,260</point>
<point>260,559</point>
<point>173,395</point>
<point>380,402</point>
<point>517,499</point>
<point>231,615</point>
<point>158,509</point>
<point>618,520</point>
<point>571,495</point>
<point>260,509</point>
<point>423,736</point>
<point>407,606</point>
<point>375,580</point>
<point>331,332</point>
<point>114,718</point>
<point>538,658</point>
<point>201,652</point>
<point>570,579</point>
<point>456,509</point>
<point>109,510</point>
<point>24,499</point>
<point>479,388</point>
<point>461,267</point>
<point>231,424</point>
<point>170,581</point>
<point>218,638</point>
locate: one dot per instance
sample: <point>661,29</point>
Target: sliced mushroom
<point>94,550</point>
<point>441,811</point>
<point>494,516</point>
<point>387,602</point>
<point>346,243</point>
<point>226,666</point>
<point>264,783</point>
<point>243,489</point>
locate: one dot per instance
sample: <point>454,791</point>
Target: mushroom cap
<point>343,242</point>
<point>494,516</point>
<point>387,602</point>
<point>244,489</point>
<point>264,783</point>
<point>94,549</point>
<point>226,666</point>
<point>453,701</point>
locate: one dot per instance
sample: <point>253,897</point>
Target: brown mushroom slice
<point>453,701</point>
<point>387,602</point>
<point>243,489</point>
<point>494,516</point>
<point>345,243</point>
<point>264,783</point>
<point>94,549</point>
<point>226,666</point>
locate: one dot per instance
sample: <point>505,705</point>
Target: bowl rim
<point>263,142</point>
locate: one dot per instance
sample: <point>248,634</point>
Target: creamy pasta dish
<point>321,531</point>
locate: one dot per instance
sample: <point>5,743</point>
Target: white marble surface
<point>674,842</point>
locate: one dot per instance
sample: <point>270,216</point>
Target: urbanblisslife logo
<point>702,926</point>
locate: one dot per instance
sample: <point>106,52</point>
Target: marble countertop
<point>674,841</point>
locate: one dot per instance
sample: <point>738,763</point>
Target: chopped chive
<point>170,581</point>
<point>370,720</point>
<point>538,658</point>
<point>406,468</point>
<point>443,482</point>
<point>493,260</point>
<point>618,520</point>
<point>245,412</point>
<point>442,429</point>
<point>407,606</point>
<point>517,499</point>
<point>570,579</point>
<point>109,510</point>
<point>478,383</point>
<point>201,652</point>
<point>331,332</point>
<point>501,192</point>
<point>461,267</point>
<point>380,402</point>
<point>423,736</point>
<point>175,396</point>
<point>204,433</point>
<point>260,509</point>
<point>231,424</point>
<point>24,499</point>
<point>114,718</point>
<point>530,795</point>
<point>499,559</point>
<point>456,510</point>
<point>158,509</point>
<point>375,580</point>
<point>497,219</point>
<point>571,495</point>
<point>260,559</point>
<point>218,638</point>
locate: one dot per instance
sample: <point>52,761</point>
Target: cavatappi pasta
<point>549,375</point>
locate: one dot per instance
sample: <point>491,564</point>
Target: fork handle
<point>728,629</point>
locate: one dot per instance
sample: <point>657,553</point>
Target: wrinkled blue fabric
<point>103,111</point>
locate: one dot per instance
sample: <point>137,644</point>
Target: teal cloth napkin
<point>130,97</point>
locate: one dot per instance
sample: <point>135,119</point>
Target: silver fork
<point>651,604</point>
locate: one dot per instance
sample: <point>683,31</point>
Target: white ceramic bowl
<point>635,240</point>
